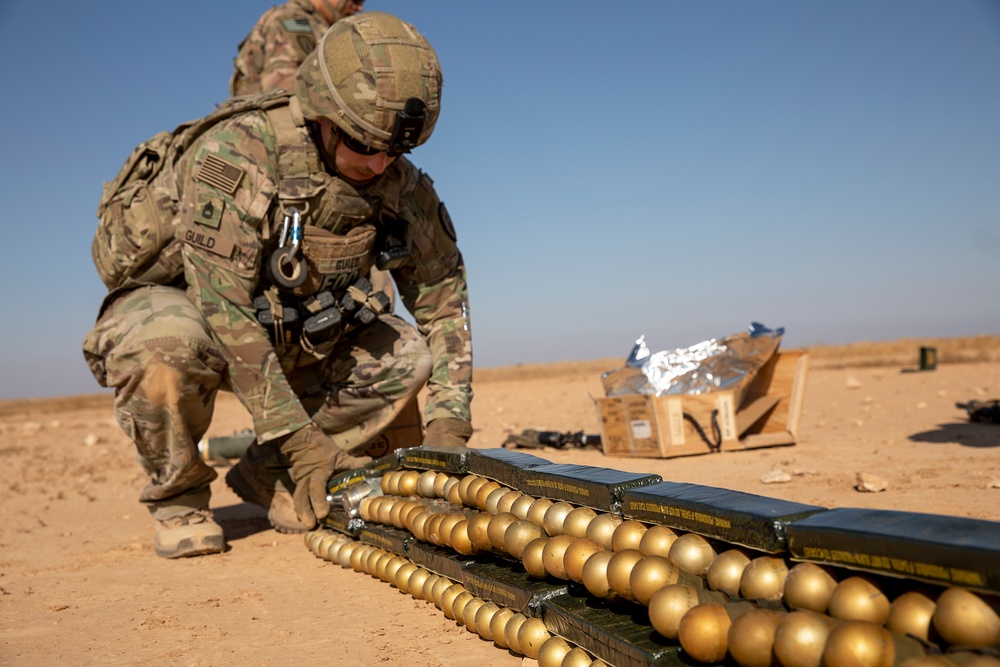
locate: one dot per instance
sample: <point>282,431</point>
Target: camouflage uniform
<point>167,349</point>
<point>269,56</point>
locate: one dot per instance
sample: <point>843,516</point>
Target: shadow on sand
<point>243,520</point>
<point>965,434</point>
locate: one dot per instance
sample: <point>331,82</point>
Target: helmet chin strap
<point>327,150</point>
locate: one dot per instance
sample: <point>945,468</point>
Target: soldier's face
<point>334,10</point>
<point>355,167</point>
<point>351,7</point>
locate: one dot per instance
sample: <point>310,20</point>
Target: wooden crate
<point>669,426</point>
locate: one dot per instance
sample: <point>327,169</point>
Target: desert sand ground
<point>80,584</point>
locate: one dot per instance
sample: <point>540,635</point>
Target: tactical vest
<point>135,244</point>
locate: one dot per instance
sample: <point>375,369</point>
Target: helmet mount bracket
<point>408,126</point>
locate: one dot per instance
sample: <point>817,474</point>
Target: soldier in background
<point>254,214</point>
<point>280,41</point>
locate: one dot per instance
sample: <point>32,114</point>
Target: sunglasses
<point>356,146</point>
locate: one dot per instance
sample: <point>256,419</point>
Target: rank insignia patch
<point>208,212</point>
<point>220,174</point>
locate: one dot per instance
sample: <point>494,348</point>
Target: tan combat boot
<point>267,488</point>
<point>192,534</point>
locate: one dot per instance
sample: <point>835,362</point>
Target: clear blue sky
<point>660,168</point>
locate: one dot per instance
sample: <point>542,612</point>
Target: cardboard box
<point>668,426</point>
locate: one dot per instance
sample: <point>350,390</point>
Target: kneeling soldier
<point>236,250</point>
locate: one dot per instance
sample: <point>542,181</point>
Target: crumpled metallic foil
<point>716,364</point>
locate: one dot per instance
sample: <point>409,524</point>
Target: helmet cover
<point>363,72</point>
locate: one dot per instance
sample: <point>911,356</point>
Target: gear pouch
<point>334,260</point>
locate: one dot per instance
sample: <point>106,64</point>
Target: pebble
<point>868,483</point>
<point>775,477</point>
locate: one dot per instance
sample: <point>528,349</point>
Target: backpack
<point>134,217</point>
<point>134,243</point>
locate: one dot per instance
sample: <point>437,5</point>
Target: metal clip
<point>283,268</point>
<point>296,230</point>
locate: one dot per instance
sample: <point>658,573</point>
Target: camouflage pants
<point>154,347</point>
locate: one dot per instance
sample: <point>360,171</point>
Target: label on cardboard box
<point>675,417</point>
<point>641,429</point>
<point>727,416</point>
<point>675,420</point>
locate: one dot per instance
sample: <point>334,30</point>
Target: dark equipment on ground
<point>982,411</point>
<point>532,439</point>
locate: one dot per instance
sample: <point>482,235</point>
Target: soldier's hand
<point>314,459</point>
<point>448,431</point>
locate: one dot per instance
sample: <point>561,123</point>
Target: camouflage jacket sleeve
<point>271,54</point>
<point>227,180</point>
<point>287,42</point>
<point>433,288</point>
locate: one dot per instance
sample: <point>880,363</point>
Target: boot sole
<point>202,546</point>
<point>246,492</point>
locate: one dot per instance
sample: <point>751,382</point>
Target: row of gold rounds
<point>651,551</point>
<point>506,532</point>
<point>513,630</point>
<point>806,586</point>
<point>327,544</point>
<point>644,576</point>
<point>489,496</point>
<point>958,617</point>
<point>428,523</point>
<point>404,574</point>
<point>708,630</point>
<point>502,625</point>
<point>638,571</point>
<point>427,484</point>
<point>761,637</point>
<point>645,561</point>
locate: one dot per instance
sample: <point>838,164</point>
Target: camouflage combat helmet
<point>376,78</point>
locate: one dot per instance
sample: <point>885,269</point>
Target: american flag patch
<point>220,174</point>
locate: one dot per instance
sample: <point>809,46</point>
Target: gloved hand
<point>314,459</point>
<point>448,431</point>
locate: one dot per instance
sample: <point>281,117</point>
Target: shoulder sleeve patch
<point>220,174</point>
<point>449,228</point>
<point>296,25</point>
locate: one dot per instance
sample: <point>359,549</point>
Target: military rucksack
<point>134,243</point>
